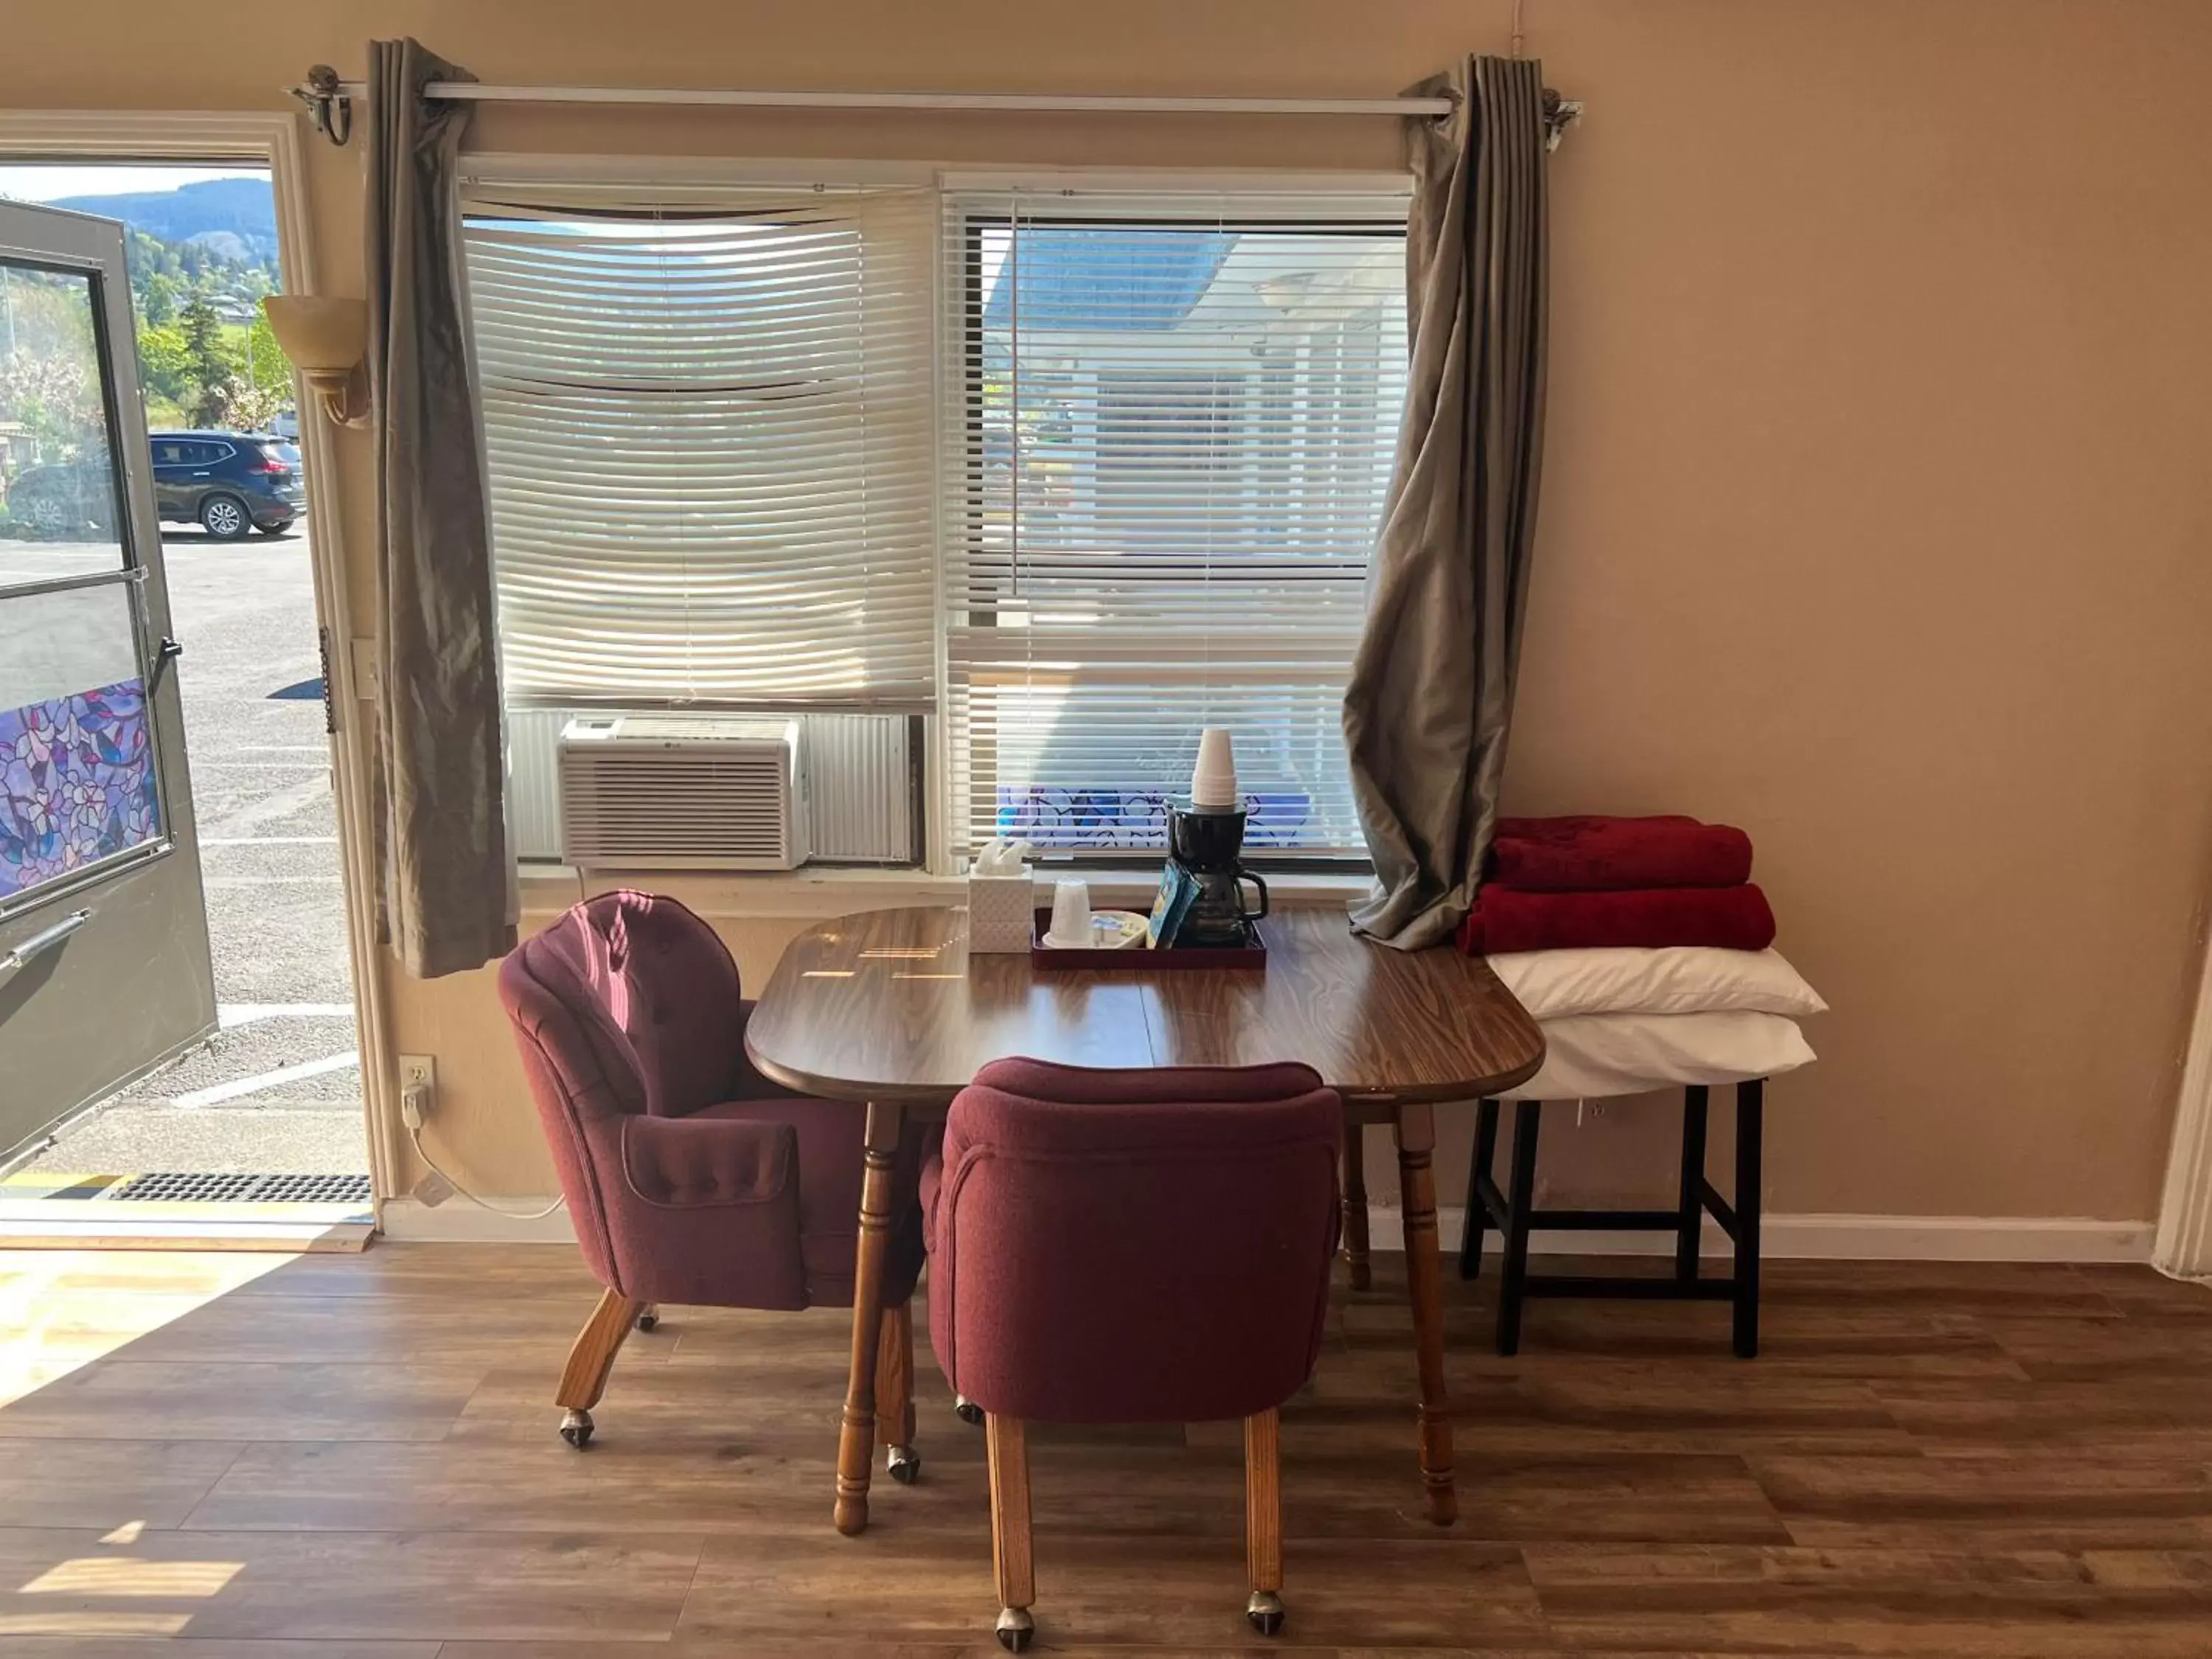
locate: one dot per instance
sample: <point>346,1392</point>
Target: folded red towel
<point>1580,854</point>
<point>1506,919</point>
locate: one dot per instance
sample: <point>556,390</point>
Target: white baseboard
<point>457,1221</point>
<point>1836,1237</point>
<point>1843,1238</point>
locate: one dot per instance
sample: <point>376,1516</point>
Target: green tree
<point>157,298</point>
<point>164,363</point>
<point>208,368</point>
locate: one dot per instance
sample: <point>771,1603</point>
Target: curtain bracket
<point>327,102</point>
<point>1560,114</point>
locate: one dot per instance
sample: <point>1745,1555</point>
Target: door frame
<point>273,140</point>
<point>2185,1212</point>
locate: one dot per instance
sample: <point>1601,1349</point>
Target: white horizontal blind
<point>1172,435</point>
<point>709,436</point>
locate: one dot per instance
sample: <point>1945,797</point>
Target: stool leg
<point>1477,1212</point>
<point>1521,1206</point>
<point>1692,1207</point>
<point>1750,1133</point>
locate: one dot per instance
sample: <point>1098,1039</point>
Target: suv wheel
<point>48,516</point>
<point>225,518</point>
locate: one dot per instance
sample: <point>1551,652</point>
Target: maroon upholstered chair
<point>1131,1247</point>
<point>691,1177</point>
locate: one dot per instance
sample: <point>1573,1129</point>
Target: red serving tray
<point>1041,955</point>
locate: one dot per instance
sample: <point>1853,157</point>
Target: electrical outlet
<point>418,1088</point>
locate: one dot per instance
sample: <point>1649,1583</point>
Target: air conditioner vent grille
<point>670,792</point>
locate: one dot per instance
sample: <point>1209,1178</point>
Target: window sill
<point>814,894</point>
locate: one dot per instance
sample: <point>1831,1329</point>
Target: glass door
<point>104,963</point>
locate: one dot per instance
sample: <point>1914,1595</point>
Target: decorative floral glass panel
<point>77,784</point>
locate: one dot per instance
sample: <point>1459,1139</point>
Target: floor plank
<point>355,1458</point>
<point>345,1586</point>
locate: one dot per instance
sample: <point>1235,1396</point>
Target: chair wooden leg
<point>1354,1181</point>
<point>1520,1209</point>
<point>649,1317</point>
<point>1690,1204</point>
<point>1010,1529</point>
<point>1477,1212</point>
<point>895,1394</point>
<point>590,1359</point>
<point>1750,1133</point>
<point>1263,1520</point>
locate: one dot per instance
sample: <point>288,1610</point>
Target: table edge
<point>934,1095</point>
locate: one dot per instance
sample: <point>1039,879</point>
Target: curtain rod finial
<point>328,102</point>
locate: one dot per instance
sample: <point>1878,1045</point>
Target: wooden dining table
<point>892,1009</point>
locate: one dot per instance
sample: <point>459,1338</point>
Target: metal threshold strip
<point>186,1211</point>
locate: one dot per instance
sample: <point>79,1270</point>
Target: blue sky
<point>48,184</point>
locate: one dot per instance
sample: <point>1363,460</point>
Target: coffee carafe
<point>1205,841</point>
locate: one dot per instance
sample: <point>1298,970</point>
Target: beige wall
<point>1876,509</point>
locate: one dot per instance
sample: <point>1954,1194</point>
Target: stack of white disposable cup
<point>1214,781</point>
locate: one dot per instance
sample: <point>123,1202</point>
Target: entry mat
<point>186,1187</point>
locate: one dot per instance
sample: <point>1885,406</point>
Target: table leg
<point>1355,1205</point>
<point>856,1437</point>
<point>1416,1126</point>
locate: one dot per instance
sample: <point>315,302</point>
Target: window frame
<point>961,315</point>
<point>1382,198</point>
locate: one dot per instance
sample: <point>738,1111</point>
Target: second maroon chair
<point>691,1177</point>
<point>1131,1247</point>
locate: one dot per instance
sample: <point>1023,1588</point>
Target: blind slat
<point>710,447</point>
<point>1175,423</point>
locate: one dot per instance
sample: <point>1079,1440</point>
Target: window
<point>1174,442</point>
<point>708,437</point>
<point>1075,473</point>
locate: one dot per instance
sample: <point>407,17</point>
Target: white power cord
<point>412,1100</point>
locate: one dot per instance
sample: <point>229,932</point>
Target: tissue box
<point>1001,913</point>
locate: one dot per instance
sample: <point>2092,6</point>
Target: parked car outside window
<point>229,483</point>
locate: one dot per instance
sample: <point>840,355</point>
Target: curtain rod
<point>330,100</point>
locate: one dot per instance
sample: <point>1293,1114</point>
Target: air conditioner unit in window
<point>681,792</point>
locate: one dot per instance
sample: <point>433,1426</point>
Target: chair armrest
<point>680,1163</point>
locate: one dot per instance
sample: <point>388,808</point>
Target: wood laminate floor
<point>354,1457</point>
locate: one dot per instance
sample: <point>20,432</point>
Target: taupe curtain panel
<point>445,886</point>
<point>1431,691</point>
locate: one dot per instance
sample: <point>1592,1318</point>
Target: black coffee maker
<point>1205,841</point>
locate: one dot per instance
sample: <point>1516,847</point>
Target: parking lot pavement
<point>278,1089</point>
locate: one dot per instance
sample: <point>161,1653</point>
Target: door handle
<point>44,941</point>
<point>164,653</point>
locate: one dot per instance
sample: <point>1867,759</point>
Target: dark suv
<point>227,482</point>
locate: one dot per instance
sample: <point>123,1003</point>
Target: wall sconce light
<point>327,340</point>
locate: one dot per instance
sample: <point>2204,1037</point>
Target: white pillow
<point>1682,979</point>
<point>1594,1056</point>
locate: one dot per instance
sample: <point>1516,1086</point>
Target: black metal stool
<point>1515,1216</point>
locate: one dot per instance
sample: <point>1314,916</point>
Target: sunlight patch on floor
<point>115,1575</point>
<point>60,1311</point>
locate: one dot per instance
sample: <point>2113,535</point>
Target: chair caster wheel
<point>904,1464</point>
<point>647,1321</point>
<point>967,1411</point>
<point>576,1428</point>
<point>1264,1610</point>
<point>1016,1629</point>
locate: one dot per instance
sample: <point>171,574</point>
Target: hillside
<point>233,218</point>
